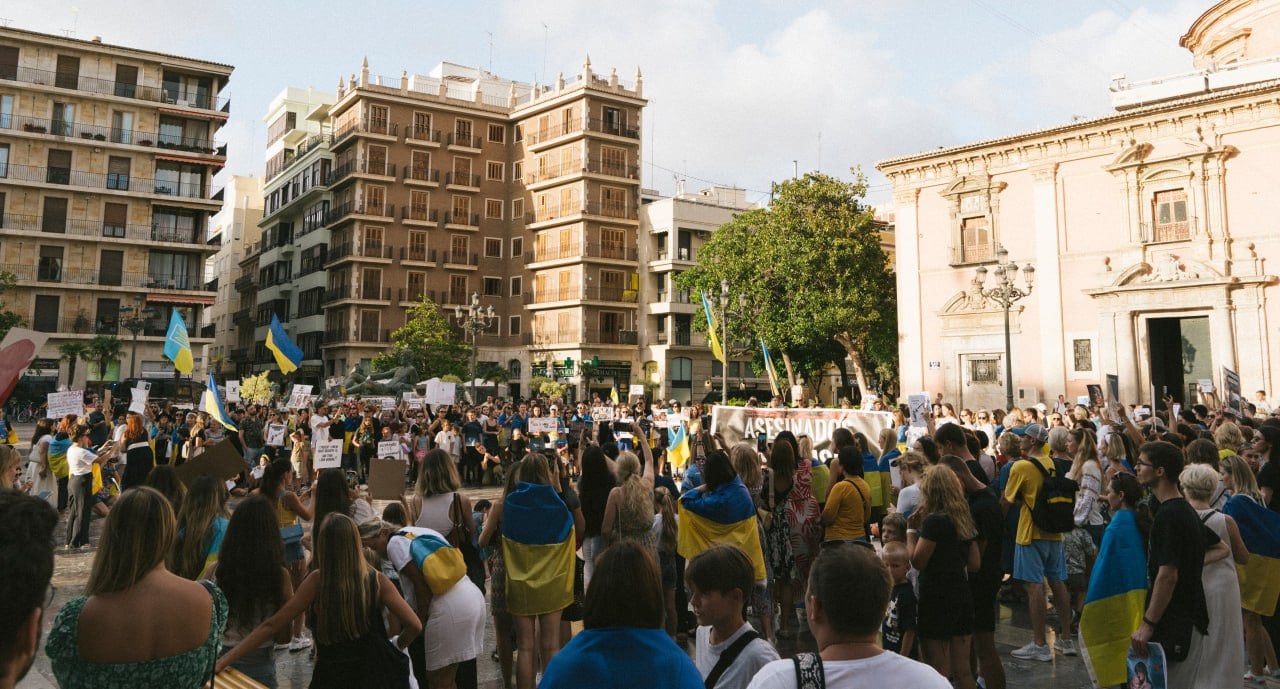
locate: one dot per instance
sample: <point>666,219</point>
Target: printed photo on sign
<point>602,413</point>
<point>1148,673</point>
<point>233,390</point>
<point>275,434</point>
<point>542,424</point>
<point>919,406</point>
<point>299,396</point>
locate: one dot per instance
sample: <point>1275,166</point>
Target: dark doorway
<point>1180,356</point>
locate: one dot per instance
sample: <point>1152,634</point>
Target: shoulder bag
<point>460,538</point>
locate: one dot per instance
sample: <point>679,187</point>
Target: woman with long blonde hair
<point>145,625</point>
<point>347,598</point>
<point>202,523</point>
<point>942,546</point>
<point>1086,471</point>
<point>628,514</point>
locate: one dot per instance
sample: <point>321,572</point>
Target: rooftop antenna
<point>4,21</point>
<point>819,150</point>
<point>546,32</point>
<point>490,51</point>
<point>75,23</point>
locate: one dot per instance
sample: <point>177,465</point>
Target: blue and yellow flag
<point>677,445</point>
<point>1260,576</point>
<point>775,385</point>
<point>288,355</point>
<point>538,547</point>
<point>613,394</point>
<point>177,346</point>
<point>213,405</point>
<point>1116,601</point>
<point>713,331</point>
<point>724,515</point>
<point>441,564</point>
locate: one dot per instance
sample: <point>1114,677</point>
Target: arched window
<point>513,367</point>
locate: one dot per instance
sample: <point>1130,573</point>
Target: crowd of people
<point>895,550</point>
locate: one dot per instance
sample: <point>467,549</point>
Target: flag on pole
<point>213,405</point>
<point>613,394</point>
<point>775,385</point>
<point>288,355</point>
<point>177,346</point>
<point>713,330</point>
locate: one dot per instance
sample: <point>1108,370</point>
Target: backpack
<point>441,564</point>
<point>1055,506</point>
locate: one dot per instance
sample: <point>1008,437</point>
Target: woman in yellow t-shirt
<point>848,508</point>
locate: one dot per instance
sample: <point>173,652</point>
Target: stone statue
<point>393,382</point>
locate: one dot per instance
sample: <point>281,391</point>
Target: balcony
<point>464,143</point>
<point>363,293</point>
<point>357,335</point>
<point>86,227</point>
<point>239,355</point>
<point>112,181</point>
<point>360,167</point>
<point>611,337</point>
<point>614,209</point>
<point>462,181</point>
<point>1179,231</point>
<point>97,133</point>
<point>380,210</point>
<point>245,283</point>
<point>108,87</point>
<point>358,250</point>
<point>538,137</point>
<point>575,293</point>
<point>462,220</point>
<point>460,259</point>
<point>376,128</point>
<point>613,294</point>
<point>673,297</point>
<point>422,135</point>
<point>554,253</point>
<point>429,216</point>
<point>242,317</point>
<point>58,273</point>
<point>612,168</point>
<point>423,175</point>
<point>555,337</point>
<point>612,251</point>
<point>418,254</point>
<point>612,128</point>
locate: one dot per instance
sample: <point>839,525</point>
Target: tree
<point>104,350</point>
<point>493,373</point>
<point>807,270</point>
<point>8,319</point>
<point>433,345</point>
<point>72,352</point>
<point>256,389</point>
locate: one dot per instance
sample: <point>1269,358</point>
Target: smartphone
<point>762,442</point>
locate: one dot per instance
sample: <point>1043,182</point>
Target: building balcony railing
<point>610,210</point>
<point>421,135</point>
<point>420,254</point>
<point>60,274</point>
<point>569,251</point>
<point>366,127</point>
<point>461,179</point>
<point>381,210</point>
<point>574,293</point>
<point>607,337</point>
<point>87,227</point>
<point>460,258</point>
<point>361,167</point>
<point>462,219</point>
<point>418,173</point>
<point>358,292</point>
<point>1169,231</point>
<point>550,337</point>
<point>673,297</point>
<point>338,252</point>
<point>537,136</point>
<point>615,294</point>
<point>244,283</point>
<point>430,215</point>
<point>596,124</point>
<point>242,317</point>
<point>361,335</point>
<point>110,87</point>
<point>93,132</point>
<point>460,140</point>
<point>556,252</point>
<point>86,325</point>
<point>94,180</point>
<point>612,250</point>
<point>239,355</point>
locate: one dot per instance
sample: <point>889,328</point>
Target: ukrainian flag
<point>613,394</point>
<point>713,331</point>
<point>1260,576</point>
<point>724,515</point>
<point>677,445</point>
<point>441,564</point>
<point>288,356</point>
<point>871,472</point>
<point>775,384</point>
<point>1116,600</point>
<point>213,405</point>
<point>538,547</point>
<point>177,346</point>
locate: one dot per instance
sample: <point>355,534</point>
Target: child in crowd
<point>894,529</point>
<point>729,651</point>
<point>479,513</point>
<point>1081,552</point>
<point>898,633</point>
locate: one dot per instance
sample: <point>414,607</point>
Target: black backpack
<point>1055,506</point>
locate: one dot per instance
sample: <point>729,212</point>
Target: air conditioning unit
<point>1026,397</point>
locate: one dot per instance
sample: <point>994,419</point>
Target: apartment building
<point>457,183</point>
<point>234,230</point>
<point>107,158</point>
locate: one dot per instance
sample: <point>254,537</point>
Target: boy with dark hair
<point>729,651</point>
<point>26,565</point>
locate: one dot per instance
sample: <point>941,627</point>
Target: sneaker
<point>1033,651</point>
<point>1066,647</point>
<point>299,643</point>
<point>1252,680</point>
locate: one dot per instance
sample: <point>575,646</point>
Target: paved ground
<point>294,669</point>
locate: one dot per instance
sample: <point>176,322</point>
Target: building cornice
<point>111,49</point>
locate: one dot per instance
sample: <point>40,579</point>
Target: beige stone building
<point>1151,230</point>
<point>107,158</point>
<point>233,230</point>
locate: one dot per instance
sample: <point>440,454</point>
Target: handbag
<point>388,667</point>
<point>233,679</point>
<point>460,538</point>
<point>292,534</point>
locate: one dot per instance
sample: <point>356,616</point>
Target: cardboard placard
<point>299,396</point>
<point>233,391</point>
<point>1113,387</point>
<point>1206,386</point>
<point>1231,381</point>
<point>220,460</point>
<point>328,454</point>
<point>412,400</point>
<point>602,413</point>
<point>275,434</point>
<point>440,392</point>
<point>919,406</point>
<point>542,424</point>
<point>635,391</point>
<point>388,449</point>
<point>386,479</point>
<point>63,403</point>
<point>660,418</point>
<point>138,403</point>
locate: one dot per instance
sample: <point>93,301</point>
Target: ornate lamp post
<point>724,344</point>
<point>134,318</point>
<point>1006,293</point>
<point>474,320</point>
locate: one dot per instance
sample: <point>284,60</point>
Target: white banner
<point>328,454</point>
<point>299,396</point>
<point>233,391</point>
<point>739,424</point>
<point>602,413</point>
<point>63,403</point>
<point>138,404</point>
<point>542,424</point>
<point>439,392</point>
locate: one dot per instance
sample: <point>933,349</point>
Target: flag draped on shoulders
<point>214,406</point>
<point>441,564</point>
<point>538,547</point>
<point>1116,600</point>
<point>677,445</point>
<point>288,355</point>
<point>177,346</point>
<point>723,515</point>
<point>1260,576</point>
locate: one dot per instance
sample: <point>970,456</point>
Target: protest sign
<point>233,391</point>
<point>275,434</point>
<point>1095,395</point>
<point>388,449</point>
<point>219,460</point>
<point>63,403</point>
<point>602,413</point>
<point>919,406</point>
<point>440,392</point>
<point>412,400</point>
<point>635,395</point>
<point>138,403</point>
<point>299,396</point>
<point>1113,387</point>
<point>542,424</point>
<point>1206,386</point>
<point>328,454</point>
<point>1234,400</point>
<point>738,424</point>
<point>661,418</point>
<point>386,479</point>
<point>17,351</point>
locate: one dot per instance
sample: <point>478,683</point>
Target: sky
<point>741,92</point>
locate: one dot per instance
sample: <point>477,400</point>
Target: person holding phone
<point>81,457</point>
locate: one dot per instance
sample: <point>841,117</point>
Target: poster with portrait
<point>1151,672</point>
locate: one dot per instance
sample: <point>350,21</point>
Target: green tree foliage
<point>429,343</point>
<point>8,319</point>
<point>104,350</point>
<point>493,373</point>
<point>804,272</point>
<point>72,352</point>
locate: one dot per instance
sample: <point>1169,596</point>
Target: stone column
<point>1124,329</point>
<point>1047,294</point>
<point>911,316</point>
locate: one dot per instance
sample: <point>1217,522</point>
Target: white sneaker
<point>299,643</point>
<point>1034,651</point>
<point>1066,647</point>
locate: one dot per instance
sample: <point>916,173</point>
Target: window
<point>376,158</point>
<point>417,246</point>
<point>118,173</point>
<point>421,126</point>
<point>462,132</point>
<point>612,243</point>
<point>517,209</point>
<point>492,287</point>
<point>114,218</point>
<point>59,171</point>
<point>681,372</point>
<point>519,131</point>
<point>54,218</point>
<point>459,248</point>
<point>457,289</point>
<point>517,246</point>
<point>8,62</point>
<point>4,160</point>
<point>50,268</point>
<point>517,286</point>
<point>122,127</point>
<point>493,170</point>
<point>497,133</point>
<point>513,327</point>
<point>461,170</point>
<point>492,247</point>
<point>416,285</point>
<point>975,240</point>
<point>419,165</point>
<point>280,126</point>
<point>493,209</point>
<point>64,119</point>
<point>373,200</point>
<point>378,116</point>
<point>175,224</point>
<point>68,74</point>
<point>6,111</point>
<point>107,321</point>
<point>984,370</point>
<point>613,161</point>
<point>1170,214</point>
<point>126,80</point>
<point>372,242</point>
<point>46,312</point>
<point>370,283</point>
<point>613,202</point>
<point>461,210</point>
<point>517,169</point>
<point>613,121</point>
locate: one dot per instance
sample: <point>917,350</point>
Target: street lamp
<point>134,318</point>
<point>1005,293</point>
<point>474,320</point>
<point>724,344</point>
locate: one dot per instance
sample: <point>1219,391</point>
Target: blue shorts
<point>1040,561</point>
<point>293,552</point>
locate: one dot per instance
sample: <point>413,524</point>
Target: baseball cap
<point>1033,430</point>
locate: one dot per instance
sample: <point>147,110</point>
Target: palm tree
<point>72,352</point>
<point>105,350</point>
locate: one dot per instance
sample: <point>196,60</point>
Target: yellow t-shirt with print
<point>1024,484</point>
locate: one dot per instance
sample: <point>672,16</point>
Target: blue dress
<point>621,658</point>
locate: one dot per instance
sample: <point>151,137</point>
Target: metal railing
<point>422,134</point>
<point>87,227</point>
<point>596,124</point>
<point>462,219</point>
<point>461,179</point>
<point>421,174</point>
<point>358,292</point>
<point>94,132</point>
<point>366,127</point>
<point>419,214</point>
<point>455,139</point>
<point>382,210</point>
<point>422,255</point>
<point>360,167</point>
<point>357,334</point>
<point>94,180</point>
<point>110,87</point>
<point>59,273</point>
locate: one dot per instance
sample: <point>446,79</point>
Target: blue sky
<point>738,90</point>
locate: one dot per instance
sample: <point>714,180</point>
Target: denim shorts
<point>294,552</point>
<point>1040,561</point>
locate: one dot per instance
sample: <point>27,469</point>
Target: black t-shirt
<point>472,432</point>
<point>984,505</point>
<point>900,618</point>
<point>945,572</point>
<point>99,429</point>
<point>978,472</point>
<point>1269,477</point>
<point>1178,538</point>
